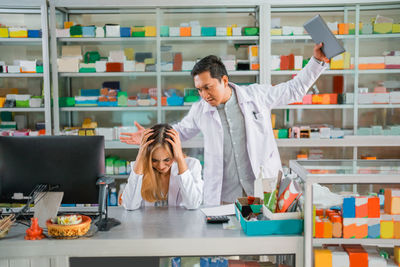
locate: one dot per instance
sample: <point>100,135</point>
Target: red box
<point>291,62</point>
<point>374,207</point>
<point>114,67</point>
<point>284,63</point>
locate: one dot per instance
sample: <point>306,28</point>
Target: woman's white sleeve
<point>132,196</point>
<point>191,186</point>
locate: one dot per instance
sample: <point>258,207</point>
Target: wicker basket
<point>5,224</point>
<point>58,230</point>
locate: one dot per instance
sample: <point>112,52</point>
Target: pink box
<point>307,100</point>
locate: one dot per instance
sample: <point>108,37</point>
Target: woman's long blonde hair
<point>151,186</point>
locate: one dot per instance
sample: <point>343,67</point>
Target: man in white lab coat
<point>236,125</point>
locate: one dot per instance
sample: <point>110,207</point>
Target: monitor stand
<point>105,224</point>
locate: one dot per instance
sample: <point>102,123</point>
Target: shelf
<point>211,38</point>
<point>115,144</point>
<point>107,74</point>
<point>118,176</point>
<point>305,37</point>
<point>384,71</point>
<point>347,141</point>
<point>20,75</point>
<point>22,109</point>
<point>231,73</point>
<point>378,106</point>
<point>340,106</point>
<point>105,40</point>
<point>326,72</point>
<point>21,41</point>
<point>378,36</point>
<point>365,241</point>
<point>82,109</point>
<point>176,108</point>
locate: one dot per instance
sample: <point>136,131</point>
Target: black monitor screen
<point>73,163</point>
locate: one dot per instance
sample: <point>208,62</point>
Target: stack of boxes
<point>22,66</point>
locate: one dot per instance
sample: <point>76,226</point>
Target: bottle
<point>113,197</point>
<point>121,190</point>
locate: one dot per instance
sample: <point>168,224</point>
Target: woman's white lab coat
<point>256,102</point>
<point>184,190</point>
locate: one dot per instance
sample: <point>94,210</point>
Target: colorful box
<point>374,228</point>
<point>396,28</point>
<point>18,32</point>
<point>349,207</point>
<point>138,31</point>
<point>76,31</point>
<point>276,32</point>
<point>361,207</point>
<point>374,207</point>
<point>358,257</point>
<point>307,100</point>
<point>208,31</point>
<point>164,31</point>
<point>397,254</point>
<point>387,227</point>
<point>327,229</point>
<point>34,33</point>
<point>114,67</point>
<point>3,32</point>
<point>68,24</point>
<point>125,32</point>
<point>250,31</point>
<point>382,28</point>
<point>150,31</point>
<point>343,28</point>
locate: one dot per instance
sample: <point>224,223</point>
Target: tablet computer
<point>320,33</point>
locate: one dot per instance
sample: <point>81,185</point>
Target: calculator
<point>217,219</point>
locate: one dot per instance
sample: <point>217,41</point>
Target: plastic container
<point>113,197</point>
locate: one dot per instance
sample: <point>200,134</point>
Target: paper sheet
<point>223,210</point>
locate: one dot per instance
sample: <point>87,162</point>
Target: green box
<point>22,103</point>
<point>208,31</point>
<point>76,30</point>
<point>122,99</point>
<point>164,31</point>
<point>283,133</point>
<point>250,31</point>
<point>66,101</point>
<point>87,70</point>
<point>39,69</point>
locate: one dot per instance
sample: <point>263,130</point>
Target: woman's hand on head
<point>175,142</point>
<point>144,144</point>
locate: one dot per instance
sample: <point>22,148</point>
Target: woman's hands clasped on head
<point>179,157</point>
<point>144,144</point>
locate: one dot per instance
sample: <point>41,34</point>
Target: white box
<point>99,32</point>
<point>167,66</point>
<point>337,133</point>
<point>196,30</point>
<point>366,98</point>
<point>11,97</point>
<point>392,60</point>
<point>140,66</point>
<point>236,31</point>
<point>333,26</point>
<point>381,98</point>
<point>68,64</point>
<point>143,102</point>
<point>297,30</point>
<point>275,62</point>
<point>325,132</point>
<point>229,62</point>
<point>287,30</point>
<point>22,97</point>
<point>394,97</point>
<point>129,65</point>
<point>113,31</point>
<point>222,31</point>
<point>108,133</point>
<point>62,33</point>
<point>281,215</point>
<point>349,97</point>
<point>298,62</point>
<point>100,66</point>
<point>87,65</point>
<point>117,56</point>
<point>174,31</point>
<point>35,102</point>
<point>187,65</point>
<point>27,65</point>
<point>71,51</point>
<point>13,69</point>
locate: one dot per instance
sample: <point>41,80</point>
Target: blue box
<point>374,231</point>
<point>34,33</point>
<point>208,31</point>
<point>90,92</point>
<point>125,31</point>
<point>108,104</point>
<point>349,207</point>
<point>88,31</point>
<point>276,227</point>
<point>175,100</point>
<point>164,31</point>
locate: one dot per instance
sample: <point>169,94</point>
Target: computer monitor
<point>73,163</point>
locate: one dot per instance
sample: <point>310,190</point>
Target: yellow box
<point>149,61</point>
<point>346,60</point>
<point>2,100</point>
<point>129,53</point>
<point>273,119</point>
<point>276,31</point>
<point>19,34</point>
<point>387,229</point>
<point>68,24</point>
<point>322,258</point>
<point>4,32</point>
<point>397,255</point>
<point>337,63</point>
<point>396,28</point>
<point>276,132</point>
<point>229,31</point>
<point>383,27</point>
<point>150,31</point>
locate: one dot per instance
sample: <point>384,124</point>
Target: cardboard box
<point>392,201</point>
<point>62,33</point>
<point>68,64</point>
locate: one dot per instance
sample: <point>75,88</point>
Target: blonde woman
<point>162,175</point>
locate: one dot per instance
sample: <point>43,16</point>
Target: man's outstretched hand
<point>318,54</point>
<point>133,138</point>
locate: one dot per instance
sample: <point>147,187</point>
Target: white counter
<point>150,232</point>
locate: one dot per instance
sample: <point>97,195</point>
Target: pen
<point>254,113</point>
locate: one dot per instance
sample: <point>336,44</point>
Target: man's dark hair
<point>211,63</point>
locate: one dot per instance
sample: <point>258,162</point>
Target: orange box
<point>392,201</point>
<point>325,99</point>
<point>68,24</point>
<point>291,62</point>
<point>343,28</point>
<point>337,226</point>
<point>316,99</point>
<point>333,99</point>
<point>373,207</point>
<point>186,31</point>
<point>376,66</point>
<point>114,67</point>
<point>284,63</point>
<point>396,226</point>
<point>349,227</point>
<point>255,66</point>
<point>327,228</point>
<point>319,228</point>
<point>358,257</point>
<point>163,101</point>
<point>319,212</point>
<point>322,258</point>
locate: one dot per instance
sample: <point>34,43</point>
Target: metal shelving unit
<point>349,173</point>
<point>39,8</point>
